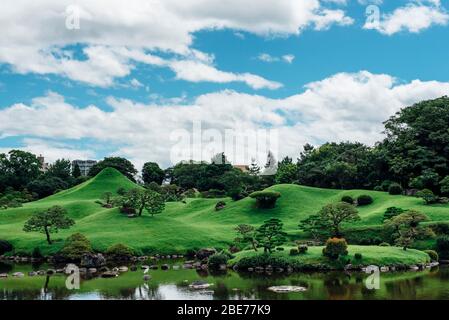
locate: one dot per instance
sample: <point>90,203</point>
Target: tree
<point>445,185</point>
<point>287,171</point>
<point>247,235</point>
<point>270,235</point>
<point>334,214</point>
<point>17,169</point>
<point>61,169</point>
<point>49,221</point>
<point>254,169</point>
<point>47,186</point>
<point>408,227</point>
<point>121,164</point>
<point>151,172</point>
<point>140,199</point>
<point>76,172</point>
<point>265,199</point>
<point>317,227</point>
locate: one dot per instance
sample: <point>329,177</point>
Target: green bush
<point>385,185</point>
<point>364,200</point>
<point>294,252</point>
<point>384,244</point>
<point>37,254</point>
<point>440,228</point>
<point>220,205</point>
<point>347,199</point>
<point>335,247</point>
<point>392,212</point>
<point>378,188</point>
<point>75,247</point>
<point>265,199</point>
<point>395,189</point>
<point>358,256</point>
<point>263,260</point>
<point>279,249</point>
<point>302,249</point>
<point>428,196</point>
<point>5,246</point>
<point>120,252</point>
<point>216,260</point>
<point>432,254</point>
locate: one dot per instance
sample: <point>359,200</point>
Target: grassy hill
<point>182,226</point>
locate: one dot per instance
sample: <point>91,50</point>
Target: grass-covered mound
<point>314,259</point>
<point>190,225</point>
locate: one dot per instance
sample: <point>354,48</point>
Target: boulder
<point>154,267</point>
<point>3,275</point>
<point>205,253</point>
<point>42,272</point>
<point>175,267</point>
<point>104,269</point>
<point>51,272</point>
<point>384,269</point>
<point>123,269</point>
<point>92,270</point>
<point>18,274</point>
<point>109,274</point>
<point>223,267</point>
<point>144,267</point>
<point>143,258</point>
<point>187,266</point>
<point>32,274</point>
<point>165,267</point>
<point>250,269</point>
<point>93,260</point>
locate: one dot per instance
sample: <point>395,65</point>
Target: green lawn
<point>371,255</point>
<point>182,226</point>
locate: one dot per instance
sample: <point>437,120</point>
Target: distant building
<point>84,165</point>
<point>43,165</point>
<point>242,167</point>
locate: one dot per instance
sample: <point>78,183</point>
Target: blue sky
<point>285,68</point>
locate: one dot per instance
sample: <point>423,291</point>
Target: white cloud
<point>37,32</point>
<point>265,57</point>
<point>342,107</point>
<point>415,17</point>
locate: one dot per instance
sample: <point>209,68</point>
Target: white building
<point>84,165</point>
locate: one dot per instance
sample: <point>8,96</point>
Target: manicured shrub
<point>395,189</point>
<point>392,212</point>
<point>347,199</point>
<point>294,252</point>
<point>385,185</point>
<point>428,196</point>
<point>364,200</point>
<point>75,247</point>
<point>279,249</point>
<point>378,188</point>
<point>440,228</point>
<point>216,260</point>
<point>265,199</point>
<point>263,260</point>
<point>302,248</point>
<point>335,247</point>
<point>5,246</point>
<point>120,252</point>
<point>432,254</point>
<point>384,244</point>
<point>358,256</point>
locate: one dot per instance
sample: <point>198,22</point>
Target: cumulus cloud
<point>342,107</point>
<point>37,37</point>
<point>265,57</point>
<point>415,17</point>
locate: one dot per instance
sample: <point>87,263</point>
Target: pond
<point>175,284</point>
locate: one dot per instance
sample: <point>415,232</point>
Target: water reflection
<point>174,285</point>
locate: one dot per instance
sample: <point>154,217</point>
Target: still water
<point>174,284</point>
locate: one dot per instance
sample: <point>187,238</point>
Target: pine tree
<point>76,172</point>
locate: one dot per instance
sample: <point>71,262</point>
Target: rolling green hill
<point>194,224</point>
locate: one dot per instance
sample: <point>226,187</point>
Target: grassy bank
<point>190,225</point>
<point>371,255</point>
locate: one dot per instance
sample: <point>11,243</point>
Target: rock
<point>144,267</point>
<point>196,264</point>
<point>133,268</point>
<point>199,285</point>
<point>286,289</point>
<point>289,269</point>
<point>392,268</point>
<point>269,269</point>
<point>115,270</point>
<point>154,267</point>
<point>165,267</point>
<point>92,270</point>
<point>205,253</point>
<point>204,267</point>
<point>32,274</point>
<point>60,270</point>
<point>143,258</point>
<point>187,266</point>
<point>123,269</point>
<point>42,272</point>
<point>348,267</point>
<point>133,259</point>
<point>93,260</point>
<point>250,269</point>
<point>174,256</point>
<point>180,256</point>
<point>3,275</point>
<point>223,267</point>
<point>109,274</point>
<point>24,259</point>
<point>279,270</point>
<point>189,262</point>
<point>168,257</point>
<point>414,268</point>
<point>51,272</point>
<point>259,269</point>
<point>18,274</point>
<point>175,267</point>
<point>146,277</point>
<point>83,270</point>
<point>384,269</point>
<point>104,269</point>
